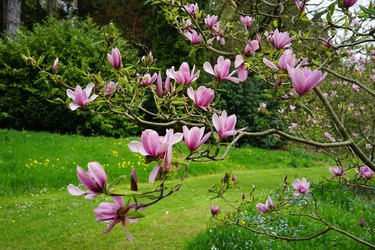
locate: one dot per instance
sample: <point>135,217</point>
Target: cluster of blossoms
<point>95,180</point>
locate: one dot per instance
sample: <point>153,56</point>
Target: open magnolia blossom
<point>302,186</point>
<point>304,80</point>
<point>202,97</point>
<point>81,97</point>
<point>281,40</point>
<point>115,213</point>
<point>194,138</point>
<point>225,125</point>
<point>221,70</point>
<point>263,208</point>
<point>183,75</point>
<point>95,180</point>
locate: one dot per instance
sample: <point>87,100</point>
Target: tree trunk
<point>12,16</point>
<point>50,7</point>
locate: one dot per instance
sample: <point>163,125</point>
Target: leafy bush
<point>81,47</point>
<point>243,99</point>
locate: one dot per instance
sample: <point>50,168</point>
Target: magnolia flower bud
<point>215,210</point>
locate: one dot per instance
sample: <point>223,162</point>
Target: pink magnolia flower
<point>191,9</point>
<point>202,97</point>
<point>221,70</point>
<point>241,67</point>
<point>246,21</point>
<point>194,138</point>
<point>270,64</point>
<point>148,80</point>
<point>151,144</point>
<point>365,172</point>
<point>183,75</point>
<point>281,40</point>
<point>218,34</point>
<point>287,58</point>
<point>328,43</point>
<point>159,87</point>
<point>55,65</point>
<point>349,3</point>
<point>329,136</point>
<point>133,180</point>
<point>262,107</point>
<point>304,80</point>
<point>193,36</point>
<point>210,21</point>
<point>81,97</point>
<point>263,208</point>
<point>115,58</point>
<point>224,125</point>
<point>300,4</point>
<point>215,210</point>
<point>114,213</point>
<point>95,180</point>
<point>302,186</point>
<point>110,88</point>
<point>293,126</point>
<point>251,47</point>
<point>337,171</point>
<point>155,146</point>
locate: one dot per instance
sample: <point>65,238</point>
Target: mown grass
<point>30,161</point>
<point>36,211</point>
<point>54,219</point>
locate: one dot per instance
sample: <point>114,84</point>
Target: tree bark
<point>12,16</point>
<point>50,7</point>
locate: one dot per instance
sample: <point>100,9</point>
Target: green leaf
<point>134,215</point>
<point>368,11</point>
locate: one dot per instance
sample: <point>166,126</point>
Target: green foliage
<point>338,206</point>
<point>243,99</point>
<point>25,95</point>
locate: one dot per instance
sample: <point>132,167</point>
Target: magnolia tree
<point>317,61</point>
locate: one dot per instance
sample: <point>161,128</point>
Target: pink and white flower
<point>110,88</point>
<point>195,137</point>
<point>148,80</point>
<point>202,97</point>
<point>95,180</point>
<point>183,75</point>
<point>365,172</point>
<point>81,97</point>
<point>224,125</point>
<point>247,21</point>
<point>304,80</point>
<point>221,70</point>
<point>210,21</point>
<point>115,58</point>
<point>337,171</point>
<point>160,90</point>
<point>115,213</point>
<point>193,36</point>
<point>263,208</point>
<point>280,40</point>
<point>55,65</point>
<point>302,186</point>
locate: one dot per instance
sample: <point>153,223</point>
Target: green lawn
<point>36,211</point>
<point>58,220</point>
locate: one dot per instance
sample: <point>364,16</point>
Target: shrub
<point>81,47</point>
